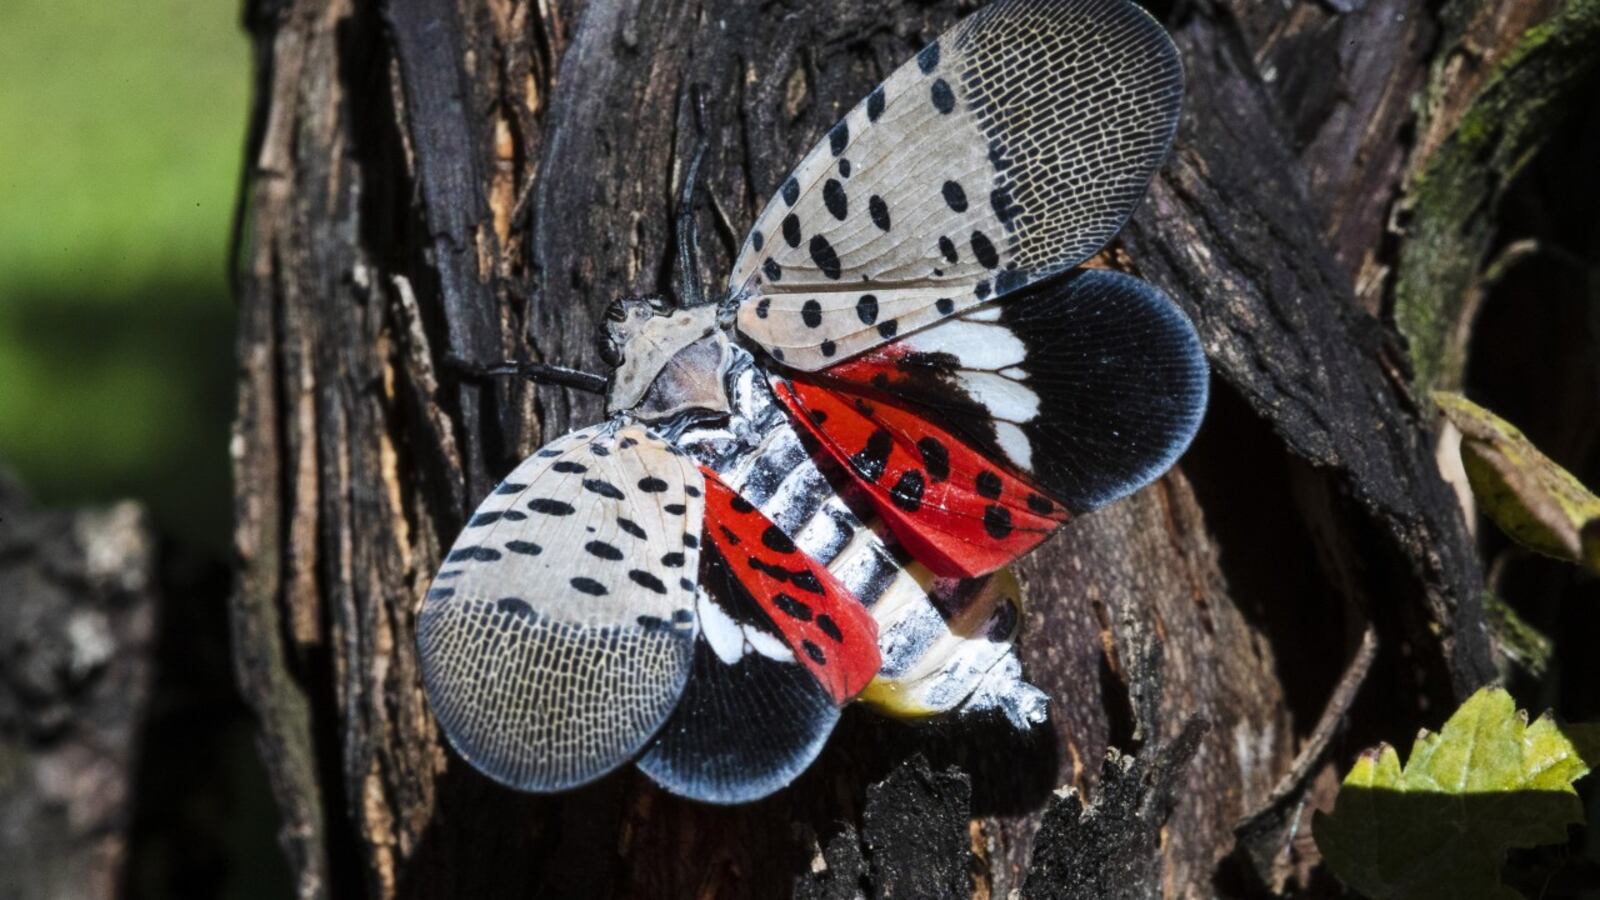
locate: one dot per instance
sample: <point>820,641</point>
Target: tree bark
<point>76,681</point>
<point>440,180</point>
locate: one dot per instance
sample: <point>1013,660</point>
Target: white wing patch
<point>1011,148</point>
<point>559,632</point>
<point>730,640</point>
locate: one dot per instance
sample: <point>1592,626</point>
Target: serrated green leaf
<point>1534,501</point>
<point>1440,825</point>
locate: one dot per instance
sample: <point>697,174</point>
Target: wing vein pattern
<point>1010,149</point>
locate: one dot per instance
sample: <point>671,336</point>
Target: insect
<point>809,487</point>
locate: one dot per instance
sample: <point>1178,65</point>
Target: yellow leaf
<point>1536,502</point>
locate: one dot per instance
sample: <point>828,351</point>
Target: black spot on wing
<point>548,507</point>
<point>907,491</point>
<point>791,230</point>
<point>631,527</point>
<point>954,196</point>
<point>928,58</point>
<point>568,467</point>
<point>603,550</point>
<point>791,191</point>
<point>833,197</point>
<point>867,309</point>
<point>811,313</point>
<point>947,248</point>
<point>588,586</point>
<point>984,250</point>
<point>875,104</point>
<point>791,607</point>
<point>872,458</point>
<point>775,572</point>
<point>879,211</point>
<point>823,254</point>
<point>888,328</point>
<point>515,606</point>
<point>603,488</point>
<point>772,270</point>
<point>944,99</point>
<point>815,652</point>
<point>997,521</point>
<point>827,626</point>
<point>652,485</point>
<point>775,540</point>
<point>646,580</point>
<point>839,137</point>
<point>472,554</point>
<point>526,548</point>
<point>806,581</point>
<point>988,484</point>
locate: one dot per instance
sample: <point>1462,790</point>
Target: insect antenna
<point>541,373</point>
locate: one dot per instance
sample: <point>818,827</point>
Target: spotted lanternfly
<point>809,488</point>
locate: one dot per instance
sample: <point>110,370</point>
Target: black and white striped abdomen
<point>927,667</point>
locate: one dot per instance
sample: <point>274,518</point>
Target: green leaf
<point>1440,825</point>
<point>1534,501</point>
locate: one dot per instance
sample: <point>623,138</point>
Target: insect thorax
<point>668,361</point>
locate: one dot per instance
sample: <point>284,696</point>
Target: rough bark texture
<point>77,665</point>
<point>476,179</point>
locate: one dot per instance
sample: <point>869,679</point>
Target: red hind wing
<point>953,508</point>
<point>826,627</point>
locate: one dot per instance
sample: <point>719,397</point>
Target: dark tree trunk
<point>476,179</point>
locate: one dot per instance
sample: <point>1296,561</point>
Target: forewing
<point>559,632</point>
<point>1010,149</point>
<point>1089,385</point>
<point>830,633</point>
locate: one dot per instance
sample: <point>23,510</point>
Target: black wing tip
<point>1188,392</point>
<point>741,732</point>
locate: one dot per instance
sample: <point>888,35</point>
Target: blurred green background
<point>121,146</point>
<point>121,129</point>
